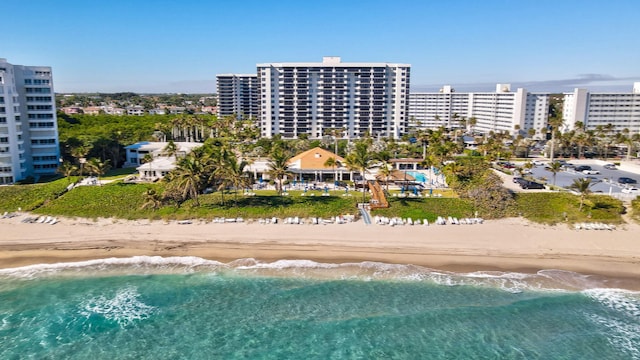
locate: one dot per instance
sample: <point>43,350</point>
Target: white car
<point>631,190</point>
<point>591,172</point>
<point>538,163</point>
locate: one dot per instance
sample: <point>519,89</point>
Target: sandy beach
<point>511,245</point>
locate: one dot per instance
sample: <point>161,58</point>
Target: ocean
<point>191,308</point>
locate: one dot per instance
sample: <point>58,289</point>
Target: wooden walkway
<point>379,200</point>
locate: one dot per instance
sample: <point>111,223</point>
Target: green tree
<point>360,159</point>
<point>554,168</point>
<point>170,149</point>
<point>187,177</point>
<point>151,200</point>
<point>97,167</point>
<point>582,186</point>
<point>278,166</point>
<point>79,153</point>
<point>67,169</point>
<point>332,162</point>
<point>233,173</point>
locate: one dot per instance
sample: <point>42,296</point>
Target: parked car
<point>593,179</point>
<point>519,180</point>
<point>538,162</point>
<point>591,172</point>
<point>582,168</point>
<point>631,190</point>
<point>531,185</point>
<point>506,164</point>
<point>610,167</point>
<point>626,180</point>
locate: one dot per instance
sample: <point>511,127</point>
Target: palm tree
<point>187,177</point>
<point>152,199</point>
<point>67,169</point>
<point>360,159</point>
<point>79,152</point>
<point>555,168</point>
<point>386,169</point>
<point>98,167</point>
<point>629,140</point>
<point>233,173</point>
<point>278,166</point>
<point>582,186</point>
<point>332,162</point>
<point>170,149</point>
<point>555,123</point>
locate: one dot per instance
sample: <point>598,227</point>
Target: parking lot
<point>605,182</point>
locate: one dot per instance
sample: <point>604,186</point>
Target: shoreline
<point>506,245</point>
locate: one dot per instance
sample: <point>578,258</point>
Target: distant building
<point>112,110</point>
<point>238,95</point>
<point>176,109</point>
<point>621,110</point>
<point>28,125</point>
<point>92,110</point>
<point>499,111</point>
<point>71,110</point>
<point>352,99</point>
<point>209,109</point>
<point>135,110</point>
<point>157,112</point>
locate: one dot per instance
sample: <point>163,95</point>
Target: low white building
<point>136,110</point>
<point>160,161</point>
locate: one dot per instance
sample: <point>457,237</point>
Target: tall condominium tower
<point>238,95</point>
<point>502,110</point>
<point>28,126</point>
<point>332,97</point>
<point>621,110</point>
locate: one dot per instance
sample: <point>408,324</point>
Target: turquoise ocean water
<point>190,308</point>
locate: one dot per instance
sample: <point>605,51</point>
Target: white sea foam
<point>137,262</point>
<point>288,264</point>
<point>624,329</point>
<point>544,280</point>
<point>624,301</point>
<point>124,307</point>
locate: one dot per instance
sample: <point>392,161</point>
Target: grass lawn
<point>29,197</point>
<point>124,201</point>
<point>429,208</point>
<point>552,208</point>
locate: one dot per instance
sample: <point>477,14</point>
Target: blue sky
<point>179,46</point>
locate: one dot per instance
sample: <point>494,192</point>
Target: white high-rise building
<point>432,110</point>
<point>499,111</point>
<point>621,110</point>
<point>238,95</point>
<point>28,127</point>
<point>316,99</point>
